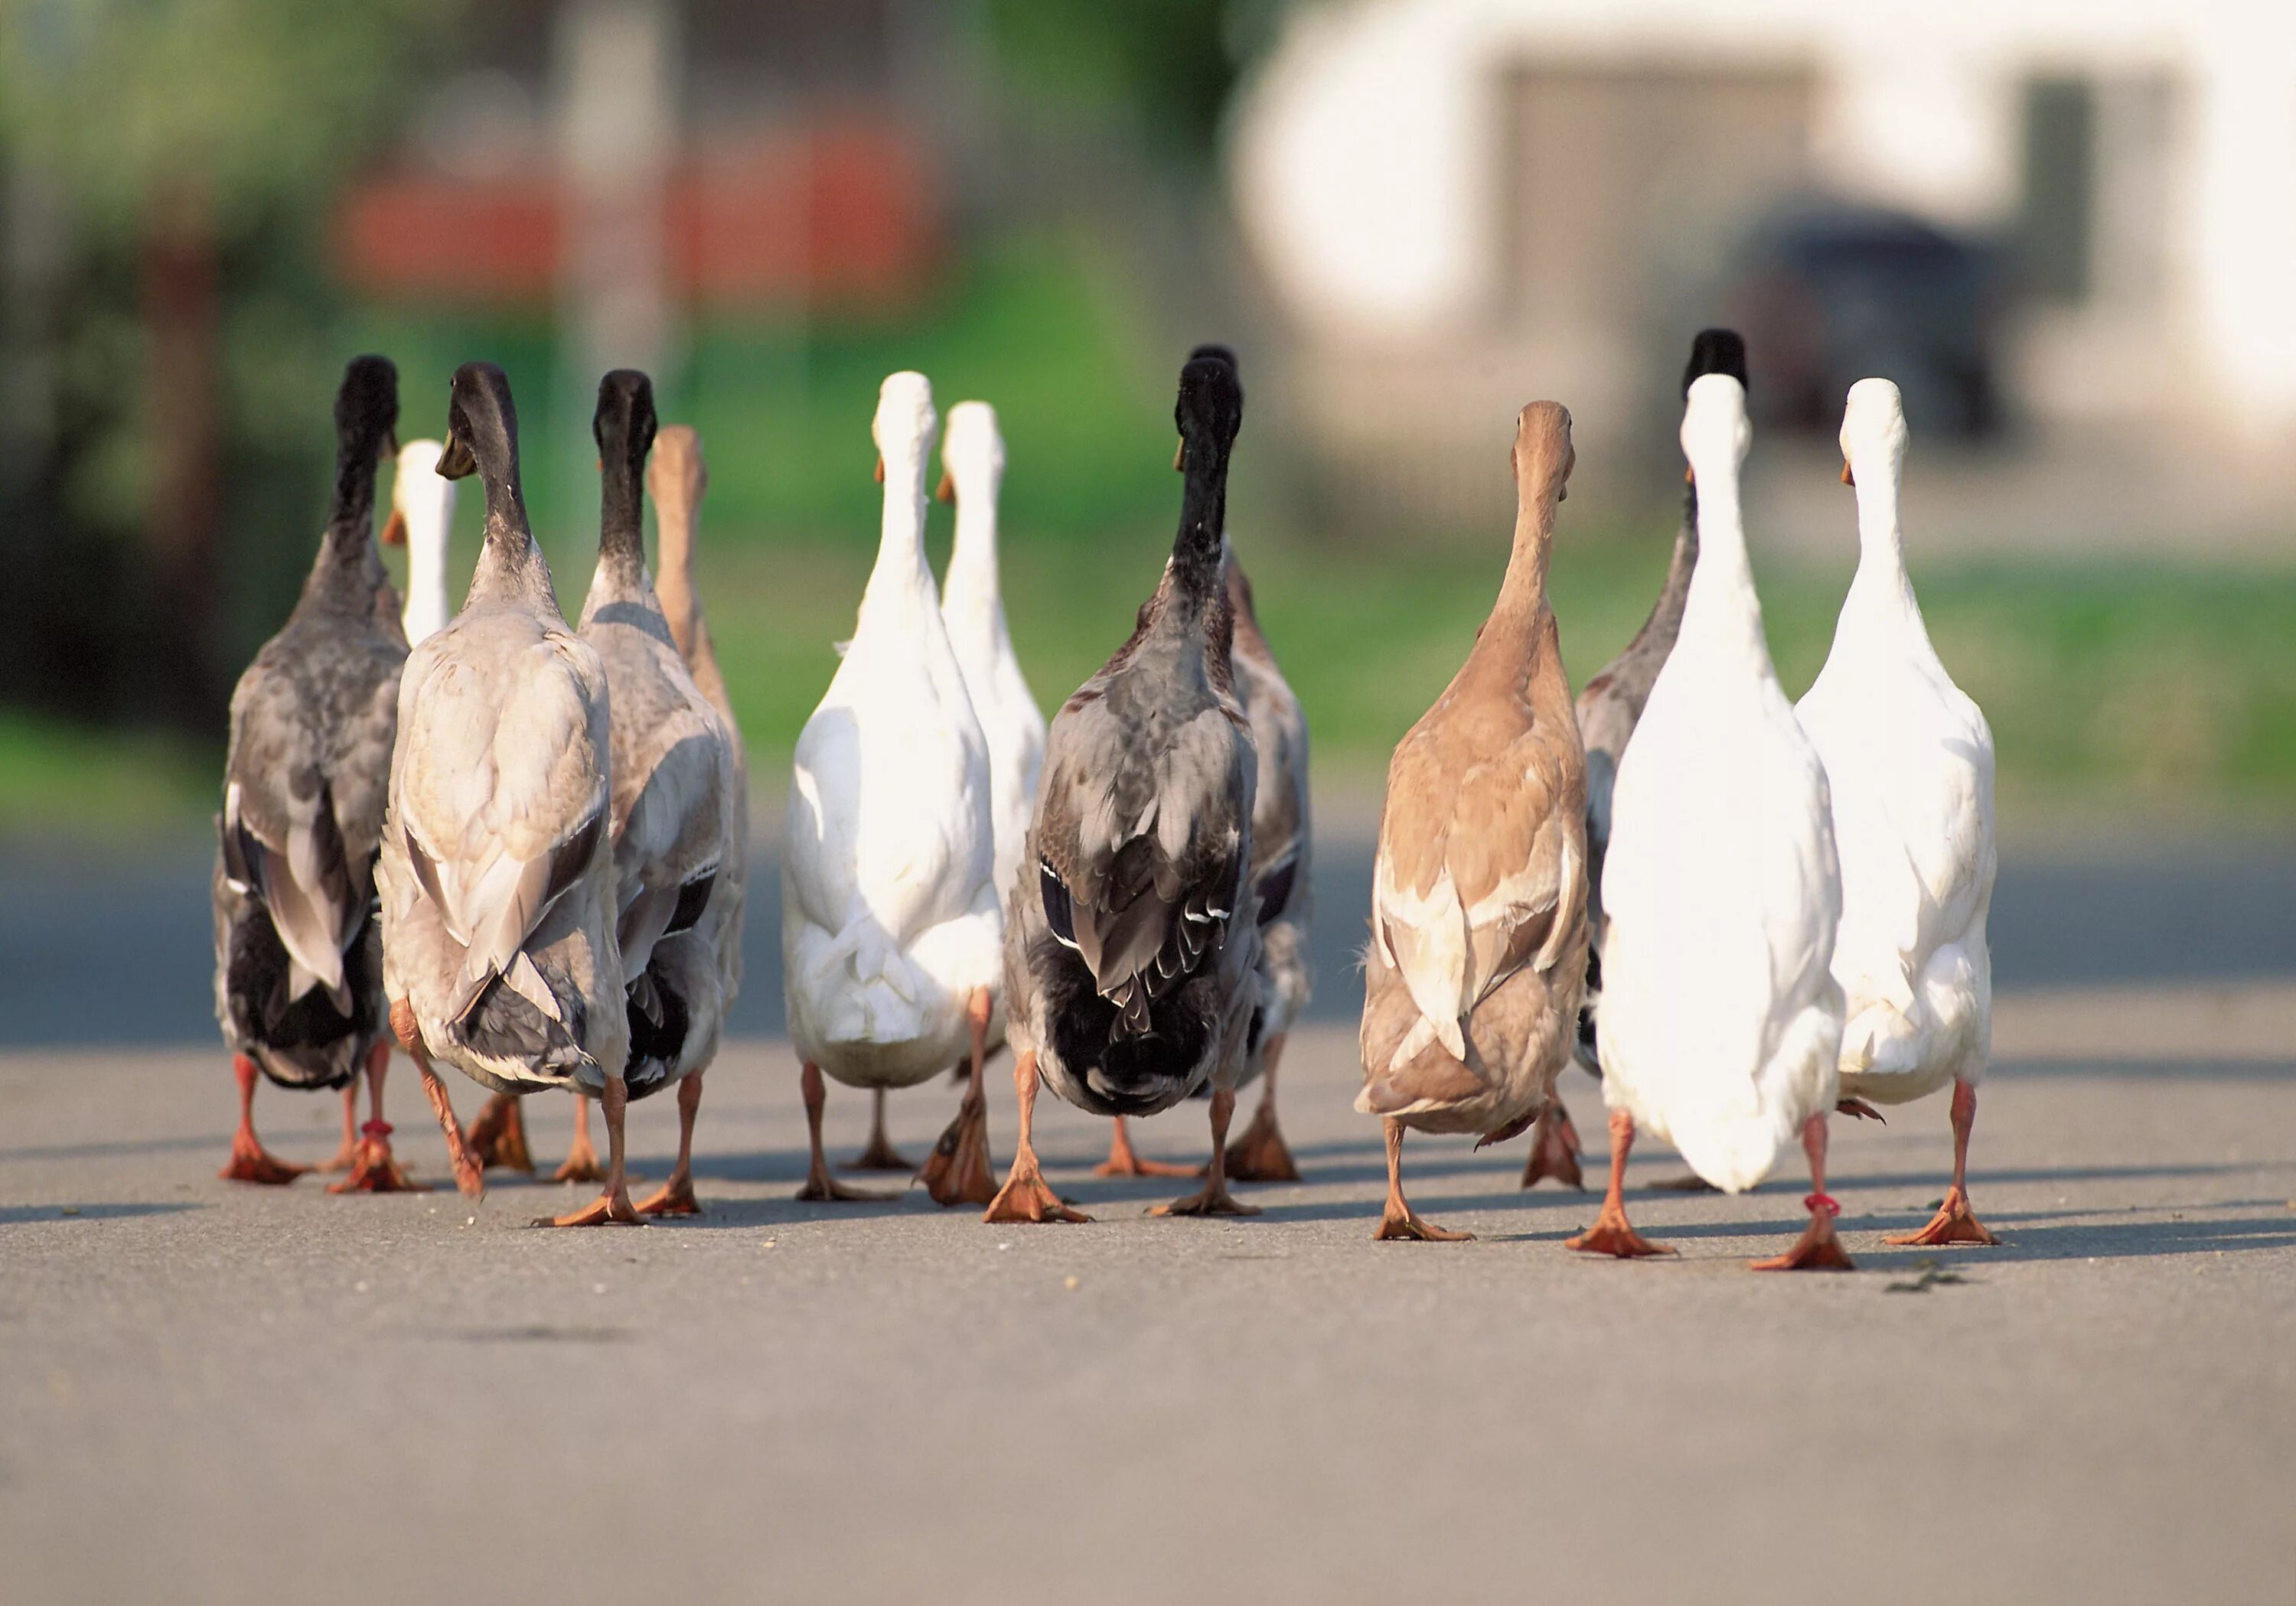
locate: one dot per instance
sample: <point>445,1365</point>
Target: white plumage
<point>1720,1019</point>
<point>972,608</point>
<point>890,915</point>
<point>1910,760</point>
<point>421,513</point>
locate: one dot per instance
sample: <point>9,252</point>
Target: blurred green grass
<point>2116,689</point>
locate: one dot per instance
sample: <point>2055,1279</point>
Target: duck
<point>299,961</point>
<point>497,872</point>
<point>676,479</point>
<point>673,812</point>
<point>1479,922</point>
<point>1608,708</point>
<point>1720,1019</point>
<point>891,929</point>
<point>1131,956</point>
<point>1280,847</point>
<point>676,814</point>
<point>421,513</point>
<point>1910,758</point>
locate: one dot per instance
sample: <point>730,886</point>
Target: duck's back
<point>1723,893</point>
<point>1910,760</point>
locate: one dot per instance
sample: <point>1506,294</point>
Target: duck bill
<point>394,530</point>
<point>455,461</point>
<point>946,491</point>
<point>1847,477</point>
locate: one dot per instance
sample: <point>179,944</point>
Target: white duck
<point>1720,1019</point>
<point>973,609</point>
<point>497,875</point>
<point>421,513</point>
<point>1910,760</point>
<point>892,933</point>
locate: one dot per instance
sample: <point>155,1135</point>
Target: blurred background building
<point>2066,230</point>
<point>2062,228</point>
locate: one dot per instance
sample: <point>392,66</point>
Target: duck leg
<point>675,1196</point>
<point>820,1186</point>
<point>1554,1150</point>
<point>881,1155</point>
<point>612,1207</point>
<point>250,1161</point>
<point>1819,1250</point>
<point>376,1170</point>
<point>1260,1154</point>
<point>1401,1222</point>
<point>958,1171</point>
<point>1611,1234</point>
<point>1123,1161</point>
<point>581,1159</point>
<point>1955,1222</point>
<point>1025,1195</point>
<point>346,1155</point>
<point>470,1176</point>
<point>1213,1199</point>
<point>498,1136</point>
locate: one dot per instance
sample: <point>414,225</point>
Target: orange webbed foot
<point>1554,1151</point>
<point>958,1172</point>
<point>1026,1197</point>
<point>1955,1223</point>
<point>673,1198</point>
<point>376,1169</point>
<point>1818,1249</point>
<point>1613,1234</point>
<point>1260,1153</point>
<point>250,1161</point>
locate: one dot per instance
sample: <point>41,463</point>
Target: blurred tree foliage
<point>1166,65</point>
<point>166,339</point>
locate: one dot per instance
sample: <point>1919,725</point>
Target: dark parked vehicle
<point>1829,295</point>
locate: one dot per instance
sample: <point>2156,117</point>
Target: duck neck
<point>349,569</point>
<point>1881,578</point>
<point>681,607</point>
<point>1522,593</point>
<point>901,578</point>
<point>621,519</point>
<point>426,563</point>
<point>511,566</point>
<point>972,560</point>
<point>1720,603</point>
<point>1194,577</point>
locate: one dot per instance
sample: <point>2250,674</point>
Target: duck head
<point>1713,351</point>
<point>623,427</point>
<point>366,420</point>
<point>971,455</point>
<point>1873,430</point>
<point>1543,454</point>
<point>1715,430</point>
<point>1211,351</point>
<point>905,424</point>
<point>481,427</point>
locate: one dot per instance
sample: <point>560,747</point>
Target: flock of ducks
<point>519,846</point>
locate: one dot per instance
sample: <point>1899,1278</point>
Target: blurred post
<point>617,71</point>
<point>184,393</point>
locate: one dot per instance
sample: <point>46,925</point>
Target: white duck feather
<point>1720,1019</point>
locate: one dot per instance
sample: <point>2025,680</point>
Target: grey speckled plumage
<point>298,955</point>
<point>673,772</point>
<point>1132,940</point>
<point>1611,704</point>
<point>496,874</point>
<point>1282,830</point>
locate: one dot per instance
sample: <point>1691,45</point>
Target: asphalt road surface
<point>220,1393</point>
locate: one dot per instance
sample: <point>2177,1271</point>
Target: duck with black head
<point>298,961</point>
<point>1608,710</point>
<point>1130,961</point>
<point>497,871</point>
